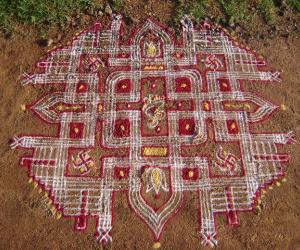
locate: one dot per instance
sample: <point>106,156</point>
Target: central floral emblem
<point>154,109</point>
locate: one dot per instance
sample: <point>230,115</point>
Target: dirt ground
<point>25,224</point>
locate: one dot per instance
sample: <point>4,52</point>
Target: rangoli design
<point>155,117</point>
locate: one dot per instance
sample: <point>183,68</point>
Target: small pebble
<point>108,10</point>
<point>99,13</point>
<point>45,42</point>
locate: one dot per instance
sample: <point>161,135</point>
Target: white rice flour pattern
<point>153,116</point>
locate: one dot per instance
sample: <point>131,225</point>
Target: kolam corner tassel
<point>58,215</point>
<point>157,245</point>
<point>49,202</point>
<point>35,184</point>
<point>283,107</point>
<point>23,107</point>
<point>53,209</point>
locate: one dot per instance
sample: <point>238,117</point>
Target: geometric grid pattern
<point>153,116</point>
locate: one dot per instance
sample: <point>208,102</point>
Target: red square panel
<point>224,85</point>
<point>76,130</point>
<point>123,86</point>
<point>122,128</point>
<point>191,174</point>
<point>232,126</point>
<point>182,85</point>
<point>186,126</point>
<point>82,87</point>
<point>121,172</point>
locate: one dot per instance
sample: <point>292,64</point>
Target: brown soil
<point>26,224</point>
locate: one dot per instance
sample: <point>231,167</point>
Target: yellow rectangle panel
<point>155,151</point>
<point>153,67</point>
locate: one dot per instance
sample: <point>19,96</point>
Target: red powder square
<point>76,130</point>
<point>121,172</point>
<point>123,86</point>
<point>186,126</point>
<point>191,174</point>
<point>122,128</point>
<point>82,87</point>
<point>224,85</point>
<point>232,126</point>
<point>182,85</point>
